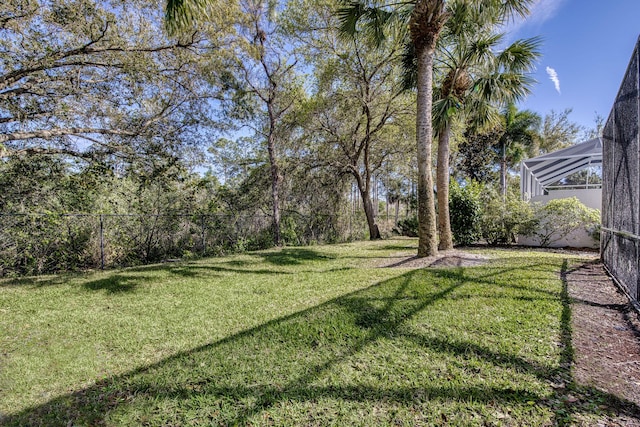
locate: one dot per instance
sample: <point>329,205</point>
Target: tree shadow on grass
<point>127,279</point>
<point>315,357</point>
<point>117,283</point>
<point>190,269</point>
<point>293,256</point>
<point>38,281</point>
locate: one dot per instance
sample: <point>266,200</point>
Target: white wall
<point>591,198</point>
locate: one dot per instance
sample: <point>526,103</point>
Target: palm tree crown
<point>426,20</point>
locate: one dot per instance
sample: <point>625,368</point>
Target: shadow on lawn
<point>297,360</point>
<point>117,283</point>
<point>293,256</point>
<point>127,279</point>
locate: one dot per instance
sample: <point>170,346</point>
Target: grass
<point>297,336</point>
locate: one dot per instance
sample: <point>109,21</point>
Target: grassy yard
<point>299,336</point>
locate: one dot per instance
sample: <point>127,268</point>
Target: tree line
<point>271,108</point>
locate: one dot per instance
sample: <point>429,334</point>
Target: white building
<point>541,180</point>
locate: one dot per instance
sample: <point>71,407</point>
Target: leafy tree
<point>596,130</point>
<point>358,110</point>
<point>232,159</point>
<point>260,71</point>
<point>476,159</point>
<point>97,80</point>
<point>557,132</point>
<point>46,184</point>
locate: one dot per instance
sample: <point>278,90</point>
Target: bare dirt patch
<point>605,337</point>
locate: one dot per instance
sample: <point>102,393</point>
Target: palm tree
<point>425,20</point>
<point>518,137</point>
<point>476,79</point>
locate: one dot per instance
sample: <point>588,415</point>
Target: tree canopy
<point>99,80</point>
<point>296,113</point>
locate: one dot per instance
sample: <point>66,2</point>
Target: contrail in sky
<point>554,78</point>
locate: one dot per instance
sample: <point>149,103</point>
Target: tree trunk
<point>374,231</point>
<point>427,240</point>
<point>442,179</point>
<point>503,172</point>
<point>275,187</point>
<point>395,221</point>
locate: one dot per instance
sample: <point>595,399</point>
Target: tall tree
<point>261,73</point>
<point>477,78</point>
<point>97,79</point>
<point>359,106</point>
<point>426,20</point>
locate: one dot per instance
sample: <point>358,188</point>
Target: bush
<point>408,226</point>
<point>465,210</point>
<point>559,218</point>
<point>502,220</point>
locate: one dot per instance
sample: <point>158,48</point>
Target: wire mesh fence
<point>620,242</point>
<point>44,243</point>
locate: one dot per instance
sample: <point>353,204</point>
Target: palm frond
<point>377,22</point>
<point>371,19</point>
<point>183,14</point>
<point>409,67</point>
<point>444,110</point>
<point>521,55</point>
<point>480,51</point>
<point>503,88</point>
<point>349,16</point>
<point>482,115</point>
<point>511,9</point>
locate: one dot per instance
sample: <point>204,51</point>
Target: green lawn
<point>299,336</point>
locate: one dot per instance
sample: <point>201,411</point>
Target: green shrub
<point>289,231</point>
<point>558,218</point>
<point>408,226</point>
<point>502,220</point>
<point>465,210</point>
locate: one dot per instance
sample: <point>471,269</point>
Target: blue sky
<point>587,45</point>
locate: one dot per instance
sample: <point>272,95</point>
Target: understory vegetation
<point>295,336</point>
<point>130,136</point>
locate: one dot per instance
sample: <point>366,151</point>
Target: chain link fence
<point>46,243</point>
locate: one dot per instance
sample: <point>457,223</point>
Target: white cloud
<point>543,10</point>
<point>540,12</point>
<point>554,78</point>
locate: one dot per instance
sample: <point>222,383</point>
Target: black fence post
<point>101,243</point>
<point>204,239</point>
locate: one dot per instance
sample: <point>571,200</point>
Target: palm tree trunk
<point>427,234</point>
<point>442,179</point>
